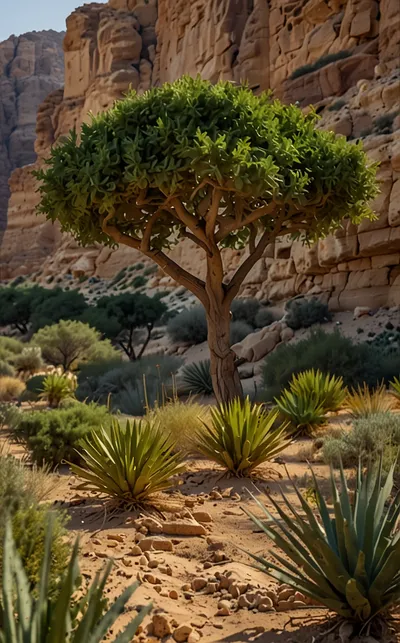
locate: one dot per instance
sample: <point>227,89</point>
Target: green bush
<point>52,436</point>
<point>330,353</point>
<point>245,310</point>
<point>57,388</point>
<point>384,124</point>
<point>189,327</point>
<point>239,330</point>
<point>130,386</point>
<point>10,416</point>
<point>321,62</point>
<point>6,369</point>
<point>34,385</point>
<point>303,313</point>
<point>378,434</point>
<point>10,345</point>
<point>30,359</point>
<point>264,317</point>
<point>196,378</point>
<point>139,281</point>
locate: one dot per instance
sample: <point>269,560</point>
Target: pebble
<point>223,611</point>
<point>150,578</point>
<point>202,516</point>
<point>135,551</point>
<point>193,637</point>
<point>120,538</point>
<point>161,626</point>
<point>190,502</point>
<point>215,495</point>
<point>198,583</point>
<point>174,594</point>
<point>182,632</point>
<point>285,594</point>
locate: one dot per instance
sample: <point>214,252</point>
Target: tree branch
<point>233,225</point>
<point>189,220</point>
<point>189,235</point>
<point>252,238</point>
<point>145,243</point>
<point>211,216</point>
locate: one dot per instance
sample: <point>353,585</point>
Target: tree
<point>56,305</point>
<point>216,165</point>
<point>69,342</point>
<point>118,317</point>
<point>18,304</point>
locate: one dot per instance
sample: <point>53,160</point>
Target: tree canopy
<point>211,163</point>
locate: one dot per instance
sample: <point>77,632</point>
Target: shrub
<point>10,388</point>
<point>352,575</point>
<point>239,330</point>
<point>338,104</point>
<point>327,389</point>
<point>263,318</point>
<point>245,310</point>
<point>138,281</point>
<point>30,359</point>
<point>128,463</point>
<point>10,345</point>
<point>321,62</point>
<point>330,353</point>
<point>150,270</point>
<point>304,411</point>
<point>72,613</point>
<point>180,420</point>
<point>303,313</point>
<point>67,343</point>
<point>189,327</point>
<point>6,369</point>
<point>34,385</point>
<point>52,436</point>
<point>57,388</point>
<point>378,434</point>
<point>10,416</point>
<point>196,378</point>
<point>56,305</point>
<point>363,402</point>
<point>123,386</point>
<point>384,124</point>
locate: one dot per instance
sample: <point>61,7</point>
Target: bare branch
<point>189,235</point>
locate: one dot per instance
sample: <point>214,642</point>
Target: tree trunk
<point>225,376</point>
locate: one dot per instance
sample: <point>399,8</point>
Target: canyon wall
<point>356,92</point>
<point>31,66</point>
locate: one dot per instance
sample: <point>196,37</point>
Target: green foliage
<point>138,281</point>
<point>395,384</point>
<point>29,360</point>
<point>11,388</point>
<point>242,436</point>
<point>150,270</point>
<point>303,313</point>
<point>57,388</point>
<point>305,412</point>
<point>330,353</point>
<point>369,437</point>
<point>345,561</point>
<point>264,317</point>
<point>320,62</point>
<point>10,416</point>
<point>128,463</point>
<point>327,389</point>
<point>52,436</point>
<point>384,124</point>
<point>189,327</point>
<point>180,420</point>
<point>67,343</point>
<point>245,310</point>
<point>120,316</point>
<point>43,618</point>
<point>34,385</point>
<point>196,378</point>
<point>363,401</point>
<point>238,331</point>
<point>10,346</point>
<point>122,386</point>
<point>169,139</point>
<point>6,369</point>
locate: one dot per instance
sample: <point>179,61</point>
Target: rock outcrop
<point>341,55</point>
<point>31,66</point>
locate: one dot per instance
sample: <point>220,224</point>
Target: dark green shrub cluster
<point>251,312</point>
<point>6,369</point>
<point>338,104</point>
<point>330,353</point>
<point>388,341</point>
<point>189,327</point>
<point>239,330</point>
<point>52,436</point>
<point>138,281</point>
<point>384,124</point>
<point>129,386</point>
<point>303,313</point>
<point>10,415</point>
<point>321,62</point>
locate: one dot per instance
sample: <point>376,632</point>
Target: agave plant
<point>57,388</point>
<point>328,390</point>
<point>348,561</point>
<point>304,411</point>
<point>242,436</point>
<point>27,617</point>
<point>395,387</point>
<point>128,463</point>
<point>363,402</point>
<point>197,378</point>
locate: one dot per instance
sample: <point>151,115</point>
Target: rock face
<point>276,44</point>
<point>31,66</point>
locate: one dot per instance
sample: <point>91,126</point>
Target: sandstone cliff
<point>31,66</point>
<point>356,90</point>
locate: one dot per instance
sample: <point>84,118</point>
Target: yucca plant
<point>242,436</point>
<point>57,388</point>
<point>196,378</point>
<point>363,401</point>
<point>348,561</point>
<point>128,463</point>
<point>304,411</point>
<point>395,387</point>
<point>328,390</point>
<point>27,617</point>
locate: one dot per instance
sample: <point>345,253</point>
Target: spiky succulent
<point>128,463</point>
<point>346,558</point>
<point>57,388</point>
<point>242,436</point>
<point>196,378</point>
<point>363,401</point>
<point>396,387</point>
<point>27,617</point>
<point>328,390</point>
<point>304,411</point>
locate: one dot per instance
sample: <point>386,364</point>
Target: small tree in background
<point>216,165</point>
<point>68,343</point>
<point>119,317</point>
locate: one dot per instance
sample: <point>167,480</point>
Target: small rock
<point>96,541</point>
<point>190,502</point>
<point>223,611</point>
<point>194,637</point>
<point>360,311</point>
<point>127,561</point>
<point>184,528</point>
<point>135,551</point>
<point>265,604</point>
<point>285,594</point>
<point>198,583</point>
<point>174,594</point>
<point>224,604</point>
<point>215,495</point>
<point>182,632</point>
<point>153,580</point>
<point>284,605</point>
<point>243,602</point>
<point>143,560</point>
<point>202,516</point>
<point>120,538</point>
<point>165,569</point>
<point>161,626</point>
<point>211,588</point>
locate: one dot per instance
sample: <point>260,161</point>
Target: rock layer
<point>138,43</point>
<point>31,66</point>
